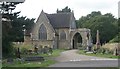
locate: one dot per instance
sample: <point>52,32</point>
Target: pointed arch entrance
<point>76,41</point>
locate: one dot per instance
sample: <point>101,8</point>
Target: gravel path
<point>71,59</point>
<point>71,55</point>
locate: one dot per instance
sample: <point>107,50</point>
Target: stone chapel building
<point>59,31</point>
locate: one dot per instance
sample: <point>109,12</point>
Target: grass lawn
<point>48,61</point>
<point>99,55</point>
<point>30,64</point>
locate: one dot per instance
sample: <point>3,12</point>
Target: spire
<point>42,11</point>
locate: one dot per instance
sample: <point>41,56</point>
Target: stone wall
<point>43,43</point>
<point>111,46</point>
<point>64,44</point>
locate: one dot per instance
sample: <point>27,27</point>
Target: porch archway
<point>76,40</point>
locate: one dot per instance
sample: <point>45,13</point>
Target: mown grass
<point>99,55</point>
<point>30,64</point>
<point>48,61</point>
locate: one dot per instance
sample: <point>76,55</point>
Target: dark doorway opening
<point>77,41</point>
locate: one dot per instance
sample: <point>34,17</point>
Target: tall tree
<point>117,37</point>
<point>104,23</point>
<point>12,27</point>
<point>6,10</point>
<point>66,9</point>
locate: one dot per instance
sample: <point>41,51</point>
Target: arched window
<point>42,33</point>
<point>62,35</point>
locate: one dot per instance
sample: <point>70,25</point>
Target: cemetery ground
<point>48,59</point>
<point>107,55</point>
<point>71,58</point>
<point>106,51</point>
<point>55,58</point>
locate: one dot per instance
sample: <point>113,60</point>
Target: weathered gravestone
<point>34,58</point>
<point>45,50</point>
<point>10,60</point>
<point>115,52</point>
<point>50,51</point>
<point>40,49</point>
<point>36,49</point>
<point>17,53</point>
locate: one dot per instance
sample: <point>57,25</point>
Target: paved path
<point>71,59</point>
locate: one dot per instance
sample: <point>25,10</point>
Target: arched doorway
<point>77,41</point>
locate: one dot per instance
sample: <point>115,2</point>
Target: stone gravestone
<point>9,60</point>
<point>50,51</point>
<point>45,50</point>
<point>115,51</point>
<point>36,49</point>
<point>34,58</point>
<point>97,40</point>
<point>40,49</point>
<point>30,51</point>
<point>18,53</point>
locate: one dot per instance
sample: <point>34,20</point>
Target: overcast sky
<point>32,8</point>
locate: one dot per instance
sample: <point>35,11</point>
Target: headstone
<point>40,49</point>
<point>36,49</point>
<point>18,53</point>
<point>97,40</point>
<point>34,58</point>
<point>89,42</point>
<point>30,51</point>
<point>89,52</point>
<point>45,50</point>
<point>50,50</point>
<point>115,51</point>
<point>10,60</point>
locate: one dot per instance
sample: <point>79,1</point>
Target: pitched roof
<point>59,20</point>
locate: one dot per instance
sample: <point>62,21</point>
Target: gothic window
<point>62,35</point>
<point>42,33</point>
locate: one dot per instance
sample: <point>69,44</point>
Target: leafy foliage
<point>66,9</point>
<point>17,28</point>
<point>6,27</point>
<point>106,24</point>
<point>12,27</point>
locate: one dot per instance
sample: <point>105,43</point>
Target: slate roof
<point>59,20</point>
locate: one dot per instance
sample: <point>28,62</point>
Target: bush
<point>7,49</point>
<point>101,50</point>
<point>104,51</point>
<point>115,39</point>
<point>24,51</point>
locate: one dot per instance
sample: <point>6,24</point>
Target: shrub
<point>99,50</point>
<point>104,51</point>
<point>24,51</point>
<point>108,51</point>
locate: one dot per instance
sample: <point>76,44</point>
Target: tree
<point>106,24</point>
<point>66,9</point>
<point>6,10</point>
<point>17,28</point>
<point>12,27</point>
<point>117,37</point>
